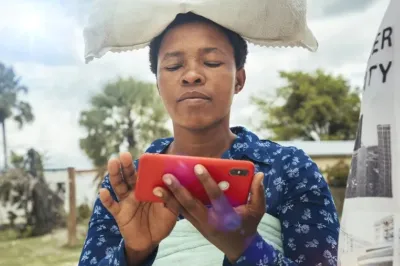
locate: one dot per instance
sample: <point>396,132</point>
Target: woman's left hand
<point>230,229</point>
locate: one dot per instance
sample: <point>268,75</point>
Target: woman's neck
<point>210,142</point>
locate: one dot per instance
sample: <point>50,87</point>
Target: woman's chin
<point>197,124</point>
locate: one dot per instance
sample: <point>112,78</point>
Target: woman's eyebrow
<point>180,54</point>
<point>169,55</point>
<point>208,50</point>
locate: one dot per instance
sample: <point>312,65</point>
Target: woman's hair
<point>238,43</point>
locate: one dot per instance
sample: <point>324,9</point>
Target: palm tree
<point>126,113</point>
<point>10,104</point>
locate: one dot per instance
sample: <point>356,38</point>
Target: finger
<point>117,182</point>
<point>174,206</point>
<point>205,220</point>
<point>231,221</point>
<point>128,169</point>
<point>189,204</point>
<point>108,202</point>
<point>170,202</point>
<point>211,187</point>
<point>219,201</point>
<point>257,193</point>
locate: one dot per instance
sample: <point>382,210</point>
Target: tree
<point>17,160</point>
<point>25,189</point>
<point>10,104</point>
<point>128,115</point>
<point>312,106</point>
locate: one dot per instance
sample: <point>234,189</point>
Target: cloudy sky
<point>42,40</point>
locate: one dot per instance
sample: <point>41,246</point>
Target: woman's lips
<point>193,96</point>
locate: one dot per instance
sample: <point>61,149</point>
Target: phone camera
<point>239,172</point>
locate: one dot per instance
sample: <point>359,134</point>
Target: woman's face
<point>197,76</point>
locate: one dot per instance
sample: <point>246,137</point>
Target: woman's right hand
<point>142,225</point>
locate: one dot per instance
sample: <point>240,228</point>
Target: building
<point>385,160</point>
<point>349,243</point>
<point>357,142</point>
<point>384,230</point>
<point>325,153</point>
<point>371,168</point>
<point>86,188</point>
<point>381,254</point>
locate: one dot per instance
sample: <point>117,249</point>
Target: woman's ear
<point>240,80</point>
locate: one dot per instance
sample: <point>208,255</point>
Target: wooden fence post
<point>72,240</point>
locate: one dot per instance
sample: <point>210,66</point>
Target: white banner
<point>370,229</point>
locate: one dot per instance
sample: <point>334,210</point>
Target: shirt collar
<point>247,145</point>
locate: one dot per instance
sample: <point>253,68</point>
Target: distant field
<point>41,251</point>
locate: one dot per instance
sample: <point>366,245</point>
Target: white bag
<point>186,246</point>
<point>370,226</point>
<point>123,25</point>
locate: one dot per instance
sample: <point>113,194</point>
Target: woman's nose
<point>192,77</point>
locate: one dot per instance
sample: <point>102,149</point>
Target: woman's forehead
<point>195,35</point>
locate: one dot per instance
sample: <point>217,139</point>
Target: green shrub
<point>337,174</point>
<point>84,212</point>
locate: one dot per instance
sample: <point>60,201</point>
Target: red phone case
<point>153,166</point>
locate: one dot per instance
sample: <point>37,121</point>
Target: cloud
<point>79,9</point>
<point>60,90</point>
<point>338,7</point>
<point>38,31</point>
<point>329,8</point>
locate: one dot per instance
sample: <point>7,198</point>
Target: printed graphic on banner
<point>370,231</point>
<point>371,166</point>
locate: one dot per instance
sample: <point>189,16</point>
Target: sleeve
<point>104,244</point>
<point>310,225</point>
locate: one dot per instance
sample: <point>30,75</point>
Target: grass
<point>41,251</point>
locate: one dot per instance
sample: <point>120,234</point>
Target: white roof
<point>323,148</point>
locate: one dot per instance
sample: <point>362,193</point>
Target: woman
<point>199,67</point>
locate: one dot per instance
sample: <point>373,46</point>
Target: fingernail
<point>157,192</point>
<point>167,180</point>
<point>198,169</point>
<point>261,179</point>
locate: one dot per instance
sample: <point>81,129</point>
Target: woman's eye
<point>173,68</point>
<point>212,64</point>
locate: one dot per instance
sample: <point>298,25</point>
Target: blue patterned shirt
<point>296,193</point>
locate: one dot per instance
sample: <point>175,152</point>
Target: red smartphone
<point>234,177</point>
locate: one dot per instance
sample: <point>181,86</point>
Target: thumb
<point>108,202</point>
<point>257,193</point>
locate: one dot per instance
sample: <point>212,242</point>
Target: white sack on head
<point>123,25</point>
